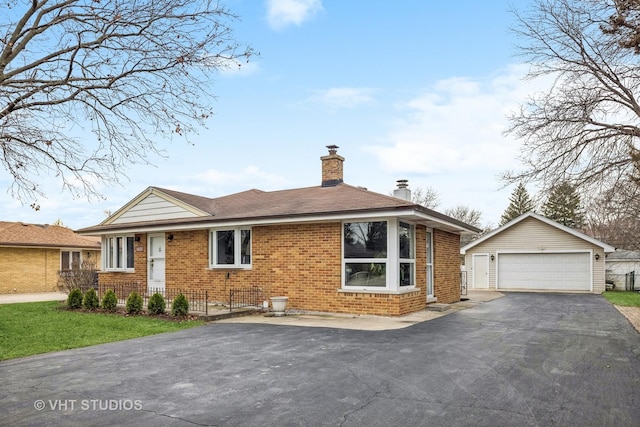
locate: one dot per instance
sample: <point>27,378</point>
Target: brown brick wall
<point>303,262</point>
<point>332,168</point>
<point>446,265</point>
<point>31,270</point>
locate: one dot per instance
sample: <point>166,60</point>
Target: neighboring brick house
<point>332,248</point>
<point>31,255</point>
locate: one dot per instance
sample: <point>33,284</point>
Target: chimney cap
<point>402,183</point>
<point>332,149</point>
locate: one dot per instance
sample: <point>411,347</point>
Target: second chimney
<point>402,192</point>
<point>332,167</point>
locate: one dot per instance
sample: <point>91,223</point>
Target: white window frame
<point>237,248</point>
<point>392,260</point>
<point>109,251</point>
<point>70,266</point>
<point>412,260</point>
<point>430,285</point>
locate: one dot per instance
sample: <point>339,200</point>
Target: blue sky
<point>410,89</point>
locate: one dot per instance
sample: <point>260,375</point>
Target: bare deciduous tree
<point>88,88</point>
<point>465,214</point>
<point>612,216</point>
<point>585,128</point>
<point>469,216</point>
<point>81,276</point>
<point>427,197</point>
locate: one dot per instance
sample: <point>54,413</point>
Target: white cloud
<point>242,69</point>
<point>343,97</point>
<point>281,13</point>
<point>456,125</point>
<point>215,183</point>
<point>451,138</point>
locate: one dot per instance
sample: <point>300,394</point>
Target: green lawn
<point>40,327</point>
<point>628,299</point>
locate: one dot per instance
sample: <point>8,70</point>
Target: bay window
<point>118,253</point>
<point>230,248</point>
<point>365,254</point>
<point>378,255</point>
<point>406,254</point>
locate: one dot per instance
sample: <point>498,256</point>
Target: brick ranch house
<point>31,255</point>
<point>332,248</point>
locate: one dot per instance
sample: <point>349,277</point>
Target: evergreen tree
<point>519,203</point>
<point>563,206</point>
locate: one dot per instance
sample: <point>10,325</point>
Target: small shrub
<point>180,306</point>
<point>134,303</point>
<point>110,300</point>
<point>90,301</point>
<point>74,300</point>
<point>156,305</point>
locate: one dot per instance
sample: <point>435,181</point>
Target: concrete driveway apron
<point>525,360</point>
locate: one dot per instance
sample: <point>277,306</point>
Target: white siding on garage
<point>153,208</point>
<point>534,236</point>
<point>545,271</point>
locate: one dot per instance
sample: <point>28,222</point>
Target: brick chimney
<point>332,167</point>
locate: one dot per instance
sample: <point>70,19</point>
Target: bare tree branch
<point>612,216</point>
<point>586,126</point>
<point>131,72</point>
<point>427,197</point>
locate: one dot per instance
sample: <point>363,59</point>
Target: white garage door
<point>548,271</point>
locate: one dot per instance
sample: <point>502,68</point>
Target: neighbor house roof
<point>576,233</point>
<point>286,205</point>
<point>44,235</point>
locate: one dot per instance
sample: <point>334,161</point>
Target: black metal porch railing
<point>198,299</point>
<point>245,297</point>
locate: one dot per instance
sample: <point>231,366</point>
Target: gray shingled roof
<point>298,202</point>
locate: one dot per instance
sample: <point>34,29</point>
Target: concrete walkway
<point>364,322</point>
<point>43,296</point>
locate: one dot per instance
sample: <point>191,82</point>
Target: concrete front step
<point>438,307</point>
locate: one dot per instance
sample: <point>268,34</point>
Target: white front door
<point>480,271</point>
<point>155,261</point>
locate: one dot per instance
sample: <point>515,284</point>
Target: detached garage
<point>533,253</point>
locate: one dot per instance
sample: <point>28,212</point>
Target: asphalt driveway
<point>524,360</point>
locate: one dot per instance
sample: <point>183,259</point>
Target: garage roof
<point>606,248</point>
